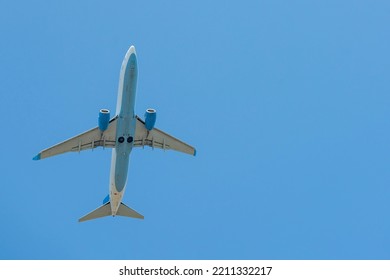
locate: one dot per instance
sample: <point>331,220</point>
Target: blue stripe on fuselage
<point>129,87</point>
<point>126,123</point>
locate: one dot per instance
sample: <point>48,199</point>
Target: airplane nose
<point>131,50</point>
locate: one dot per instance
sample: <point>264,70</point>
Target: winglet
<point>194,152</point>
<point>37,157</point>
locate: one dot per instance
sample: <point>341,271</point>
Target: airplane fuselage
<point>125,129</point>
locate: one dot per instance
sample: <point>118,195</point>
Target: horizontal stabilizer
<point>102,211</point>
<point>105,210</point>
<point>126,211</point>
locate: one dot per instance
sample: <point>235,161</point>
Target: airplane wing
<point>88,140</point>
<point>156,138</point>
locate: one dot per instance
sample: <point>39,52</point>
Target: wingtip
<point>37,157</point>
<point>194,152</point>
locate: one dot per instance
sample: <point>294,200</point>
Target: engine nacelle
<point>150,118</point>
<point>104,119</point>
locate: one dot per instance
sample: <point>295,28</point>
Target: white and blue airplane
<point>121,133</point>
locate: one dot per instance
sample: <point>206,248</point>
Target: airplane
<point>122,133</point>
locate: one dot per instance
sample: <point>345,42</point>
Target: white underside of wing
<point>88,140</point>
<point>156,138</point>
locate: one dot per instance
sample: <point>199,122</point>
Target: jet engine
<point>150,118</point>
<point>104,119</point>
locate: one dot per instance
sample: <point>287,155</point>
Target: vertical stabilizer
<point>126,211</point>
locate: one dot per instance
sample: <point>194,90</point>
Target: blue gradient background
<point>287,103</point>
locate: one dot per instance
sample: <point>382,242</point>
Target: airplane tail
<point>105,210</point>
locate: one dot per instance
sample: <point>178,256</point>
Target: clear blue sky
<point>287,104</point>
